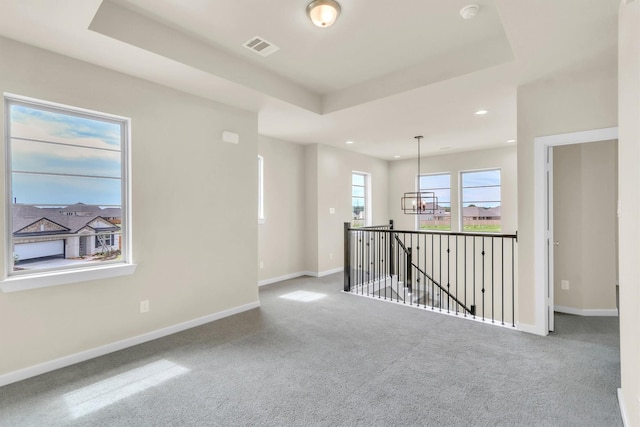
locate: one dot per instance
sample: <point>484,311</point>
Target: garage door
<point>39,249</point>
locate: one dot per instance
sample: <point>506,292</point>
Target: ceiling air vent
<point>261,46</point>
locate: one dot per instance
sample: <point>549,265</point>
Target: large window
<point>439,211</point>
<point>481,201</point>
<point>360,215</point>
<point>67,187</point>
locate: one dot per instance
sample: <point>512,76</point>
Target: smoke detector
<point>469,11</point>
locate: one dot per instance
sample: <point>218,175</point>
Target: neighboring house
<point>69,232</point>
<point>439,213</point>
<point>476,213</point>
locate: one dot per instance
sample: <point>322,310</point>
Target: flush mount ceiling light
<point>481,112</point>
<point>419,202</point>
<point>469,11</point>
<point>323,13</point>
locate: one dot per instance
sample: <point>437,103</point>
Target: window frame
<point>417,224</point>
<point>13,281</point>
<point>109,239</point>
<point>461,198</point>
<point>368,218</point>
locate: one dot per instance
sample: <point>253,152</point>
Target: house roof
<point>475,211</point>
<point>383,73</point>
<point>25,215</point>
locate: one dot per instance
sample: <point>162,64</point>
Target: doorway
<point>543,217</point>
<point>585,229</point>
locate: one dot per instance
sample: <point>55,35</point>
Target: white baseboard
<point>72,359</point>
<point>585,312</point>
<point>281,278</point>
<point>299,274</point>
<point>325,273</point>
<point>531,329</point>
<point>623,411</point>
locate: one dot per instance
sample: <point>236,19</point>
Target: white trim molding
<point>324,273</point>
<point>623,411</point>
<point>299,274</point>
<point>72,359</point>
<point>282,278</point>
<point>64,277</point>
<point>586,312</point>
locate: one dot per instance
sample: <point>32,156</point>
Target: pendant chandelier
<point>419,202</point>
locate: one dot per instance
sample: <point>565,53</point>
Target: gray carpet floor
<point>341,360</point>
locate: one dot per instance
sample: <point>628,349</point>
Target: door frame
<point>544,210</point>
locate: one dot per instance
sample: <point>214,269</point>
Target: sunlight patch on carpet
<point>304,296</point>
<point>101,394</point>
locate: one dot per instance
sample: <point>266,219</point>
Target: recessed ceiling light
<point>348,142</point>
<point>511,140</point>
<point>396,157</point>
<point>481,112</point>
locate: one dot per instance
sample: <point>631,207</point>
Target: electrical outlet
<point>144,306</point>
<point>261,264</point>
<point>330,255</point>
<point>332,211</point>
<point>564,285</point>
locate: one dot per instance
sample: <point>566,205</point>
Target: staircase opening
<point>471,275</point>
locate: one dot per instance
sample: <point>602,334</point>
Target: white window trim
<point>261,218</point>
<point>368,220</point>
<point>44,279</point>
<point>64,277</point>
<point>461,201</point>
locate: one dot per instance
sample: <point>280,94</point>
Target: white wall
<point>333,168</point>
<point>629,191</point>
<point>281,238</point>
<point>403,173</point>
<point>311,204</point>
<point>194,214</point>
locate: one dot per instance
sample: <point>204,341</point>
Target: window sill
<point>48,279</point>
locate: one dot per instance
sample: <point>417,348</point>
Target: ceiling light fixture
<point>469,11</point>
<point>511,140</point>
<point>323,13</point>
<point>419,202</point>
<point>348,142</point>
<point>481,112</point>
<point>396,157</point>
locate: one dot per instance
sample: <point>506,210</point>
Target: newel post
<point>392,269</point>
<point>409,270</point>
<point>347,257</point>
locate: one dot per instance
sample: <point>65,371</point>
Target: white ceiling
<point>384,72</point>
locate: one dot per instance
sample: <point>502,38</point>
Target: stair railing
<point>471,274</point>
